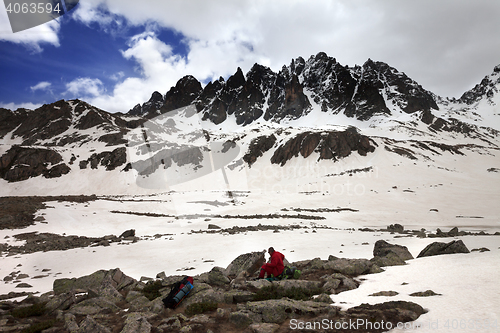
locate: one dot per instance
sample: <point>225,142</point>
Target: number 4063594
<point>33,8</point>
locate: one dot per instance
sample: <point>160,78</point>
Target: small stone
<point>24,285</point>
<point>385,293</point>
<point>426,293</point>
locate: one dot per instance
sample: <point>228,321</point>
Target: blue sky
<point>115,53</point>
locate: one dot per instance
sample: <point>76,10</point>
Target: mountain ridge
<point>315,108</point>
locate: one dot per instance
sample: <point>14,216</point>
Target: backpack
<point>178,292</point>
<point>290,273</point>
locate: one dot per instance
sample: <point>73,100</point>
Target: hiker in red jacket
<point>275,267</point>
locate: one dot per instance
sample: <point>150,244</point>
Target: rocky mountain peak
<point>488,87</point>
<point>360,92</point>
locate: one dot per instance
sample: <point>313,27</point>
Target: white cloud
<point>85,87</point>
<point>32,38</point>
<point>44,85</point>
<point>15,106</point>
<point>447,46</point>
<point>117,76</point>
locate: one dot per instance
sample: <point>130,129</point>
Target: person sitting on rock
<point>275,265</point>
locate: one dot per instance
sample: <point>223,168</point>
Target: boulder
<point>391,259</point>
<point>396,228</point>
<point>136,323</point>
<point>323,298</point>
<point>352,267</point>
<point>89,325</point>
<point>128,233</point>
<point>426,293</point>
<point>216,277</point>
<point>278,310</point>
<point>238,296</point>
<point>264,328</point>
<point>385,293</point>
<point>437,248</point>
<point>259,284</point>
<point>251,262</point>
<point>302,284</point>
<point>394,312</point>
<point>382,249</point>
<point>244,318</point>
<point>111,282</point>
<point>61,301</point>
<point>206,295</point>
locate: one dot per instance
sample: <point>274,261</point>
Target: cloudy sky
<point>115,53</point>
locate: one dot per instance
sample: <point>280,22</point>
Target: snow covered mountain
<point>315,111</point>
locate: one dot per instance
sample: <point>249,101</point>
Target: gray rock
<point>207,295</point>
<point>278,310</point>
<point>394,311</point>
<point>238,296</point>
<point>128,233</point>
<point>259,284</point>
<point>93,306</point>
<point>61,302</point>
<point>351,267</point>
<point>382,249</point>
<point>437,248</point>
<point>385,293</point>
<point>396,228</point>
<point>375,268</point>
<point>201,319</point>
<point>216,277</point>
<point>138,303</point>
<point>136,323</point>
<point>244,318</point>
<point>89,325</point>
<point>169,324</point>
<point>426,293</point>
<point>251,262</point>
<point>102,282</point>
<point>304,284</point>
<point>264,328</point>
<point>331,284</point>
<point>391,259</point>
<point>70,323</point>
<point>482,249</point>
<point>323,298</point>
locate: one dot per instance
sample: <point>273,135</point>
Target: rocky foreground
<point>221,301</point>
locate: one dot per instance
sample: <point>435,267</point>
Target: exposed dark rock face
<point>20,163</point>
<point>109,159</point>
<point>153,105</point>
<point>184,93</point>
<point>258,147</point>
<point>330,145</point>
<point>486,89</point>
<point>437,248</point>
<point>59,123</point>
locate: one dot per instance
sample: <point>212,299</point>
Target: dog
<point>240,280</point>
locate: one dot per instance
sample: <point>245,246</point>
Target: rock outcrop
<point>109,301</point>
<point>385,254</point>
<point>437,248</point>
<point>21,163</point>
<point>331,145</point>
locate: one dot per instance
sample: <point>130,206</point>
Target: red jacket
<point>276,265</point>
